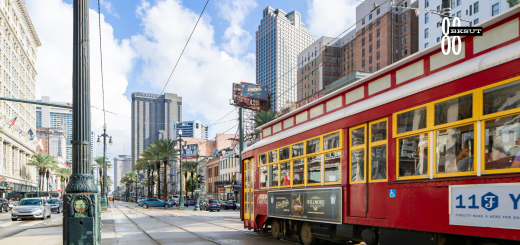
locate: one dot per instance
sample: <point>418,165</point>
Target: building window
<point>370,69</point>
<point>405,15</point>
<point>438,39</point>
<point>378,56</point>
<point>369,16</point>
<point>378,33</point>
<point>405,27</point>
<point>470,10</point>
<point>396,30</point>
<point>378,18</point>
<point>396,41</point>
<point>475,7</point>
<point>402,52</point>
<point>363,42</point>
<point>370,37</point>
<point>406,39</point>
<point>370,49</point>
<point>378,66</point>
<point>495,9</point>
<point>425,45</point>
<point>363,53</point>
<point>402,41</point>
<point>426,3</point>
<point>426,33</point>
<point>475,21</point>
<point>402,29</point>
<point>459,2</point>
<point>370,60</point>
<point>426,18</point>
<point>378,13</point>
<point>378,43</point>
<point>438,24</point>
<point>453,4</point>
<point>459,14</point>
<point>363,63</point>
<point>396,53</point>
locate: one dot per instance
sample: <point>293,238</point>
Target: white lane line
<point>7,224</point>
<point>33,223</point>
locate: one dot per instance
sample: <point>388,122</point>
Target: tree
<point>166,151</point>
<point>512,3</point>
<point>150,159</point>
<point>44,163</point>
<point>129,179</point>
<point>263,117</point>
<point>64,174</point>
<point>191,184</point>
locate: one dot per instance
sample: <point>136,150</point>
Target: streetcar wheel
<point>306,237</point>
<point>276,229</point>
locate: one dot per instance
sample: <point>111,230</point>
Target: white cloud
<point>54,67</point>
<point>235,11</point>
<point>328,21</point>
<point>205,73</point>
<point>108,7</point>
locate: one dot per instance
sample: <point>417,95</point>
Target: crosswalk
<point>32,223</point>
<point>7,224</point>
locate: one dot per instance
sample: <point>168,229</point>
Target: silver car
<point>31,208</point>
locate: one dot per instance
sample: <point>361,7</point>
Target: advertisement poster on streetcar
<point>312,204</point>
<point>254,91</point>
<point>486,205</point>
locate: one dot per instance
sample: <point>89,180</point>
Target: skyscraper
<point>54,117</point>
<point>279,39</point>
<point>153,116</point>
<point>122,164</point>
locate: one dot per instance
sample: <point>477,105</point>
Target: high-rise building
<point>470,13</point>
<point>280,38</point>
<point>54,117</point>
<point>191,129</point>
<point>52,142</point>
<point>122,164</point>
<point>19,43</point>
<point>381,37</point>
<point>153,116</point>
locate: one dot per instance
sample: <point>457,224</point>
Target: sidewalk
<point>125,232</point>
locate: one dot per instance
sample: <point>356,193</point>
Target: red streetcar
<point>425,151</point>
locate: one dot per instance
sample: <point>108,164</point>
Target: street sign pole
<point>81,218</point>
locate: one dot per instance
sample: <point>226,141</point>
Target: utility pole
<point>81,218</point>
<point>240,149</point>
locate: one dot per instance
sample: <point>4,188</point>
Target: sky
<point>142,41</point>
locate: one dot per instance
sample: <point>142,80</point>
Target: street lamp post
<point>104,189</point>
<point>81,218</point>
<point>197,206</point>
<point>135,190</point>
<point>181,198</point>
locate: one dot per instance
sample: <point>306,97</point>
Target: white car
<point>31,208</point>
<point>12,205</point>
<point>238,206</point>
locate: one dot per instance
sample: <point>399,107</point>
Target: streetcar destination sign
<point>322,205</point>
<point>485,205</point>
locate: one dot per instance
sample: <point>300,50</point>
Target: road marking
<point>33,223</point>
<point>7,224</point>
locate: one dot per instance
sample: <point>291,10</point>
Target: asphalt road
<point>9,227</point>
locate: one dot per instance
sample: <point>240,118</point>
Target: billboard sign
<point>256,91</point>
<point>191,150</point>
<point>322,204</point>
<point>485,205</point>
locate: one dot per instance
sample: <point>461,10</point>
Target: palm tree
<point>150,158</point>
<point>64,174</point>
<point>129,179</point>
<point>263,117</point>
<point>188,167</point>
<point>166,150</point>
<point>512,3</point>
<point>44,163</point>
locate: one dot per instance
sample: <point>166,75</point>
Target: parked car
<point>56,205</point>
<point>4,205</point>
<point>153,202</point>
<point>230,205</point>
<point>31,208</point>
<point>173,202</point>
<point>212,204</point>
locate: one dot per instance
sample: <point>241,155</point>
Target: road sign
<point>392,193</point>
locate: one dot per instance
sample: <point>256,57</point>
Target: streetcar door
<point>248,190</point>
<point>368,169</point>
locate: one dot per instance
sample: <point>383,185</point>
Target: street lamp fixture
<point>104,189</point>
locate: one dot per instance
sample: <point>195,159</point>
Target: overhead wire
<point>101,58</point>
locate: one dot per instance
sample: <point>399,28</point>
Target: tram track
<point>139,228</point>
<point>162,221</point>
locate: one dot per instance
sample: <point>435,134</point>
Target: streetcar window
<point>378,162</point>
<point>357,162</point>
<point>453,110</point>
<point>263,177</point>
<point>298,171</point>
<point>331,141</point>
<point>297,150</point>
<point>273,175</point>
<point>285,173</point>
<point>358,136</point>
<point>314,169</point>
<point>502,98</point>
<point>313,146</point>
<point>411,120</point>
<point>455,150</point>
<point>262,159</point>
<point>502,143</point>
<point>284,153</point>
<point>273,156</point>
<point>378,131</point>
<point>332,166</point>
<point>413,155</point>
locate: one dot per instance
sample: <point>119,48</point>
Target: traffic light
<point>198,178</point>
